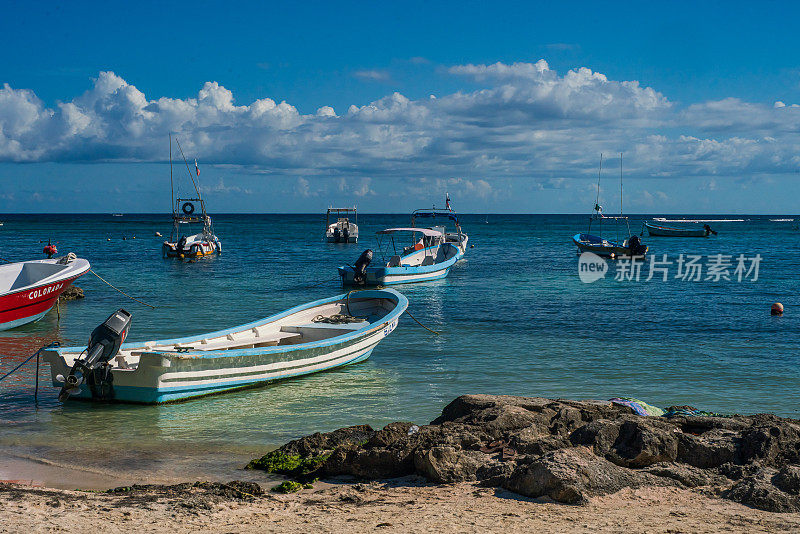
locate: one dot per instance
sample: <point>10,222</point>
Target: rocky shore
<point>567,451</point>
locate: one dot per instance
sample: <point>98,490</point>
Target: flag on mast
<point>447,203</point>
<point>196,168</point>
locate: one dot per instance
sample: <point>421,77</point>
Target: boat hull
<point>666,231</point>
<point>351,239</point>
<point>31,303</point>
<point>196,250</point>
<point>601,247</point>
<point>163,377</point>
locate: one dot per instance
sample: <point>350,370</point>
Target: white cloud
<point>373,75</point>
<point>527,121</point>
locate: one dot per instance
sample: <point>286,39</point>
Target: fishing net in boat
<point>337,318</point>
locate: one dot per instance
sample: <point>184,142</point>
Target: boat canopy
<point>424,231</point>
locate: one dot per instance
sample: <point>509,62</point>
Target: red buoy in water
<point>777,309</point>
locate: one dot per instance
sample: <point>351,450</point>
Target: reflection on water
<point>514,318</point>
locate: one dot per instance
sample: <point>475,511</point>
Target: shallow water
<point>514,319</point>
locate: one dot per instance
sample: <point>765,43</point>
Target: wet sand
<point>401,505</point>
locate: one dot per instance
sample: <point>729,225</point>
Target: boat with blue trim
<point>309,338</point>
<point>428,257</point>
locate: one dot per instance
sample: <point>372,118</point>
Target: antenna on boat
<point>620,183</point>
<point>171,184</point>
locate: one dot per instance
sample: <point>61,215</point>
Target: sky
<point>292,107</point>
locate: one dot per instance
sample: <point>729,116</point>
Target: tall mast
<point>620,183</point>
<point>597,200</point>
<point>196,189</point>
<point>171,186</point>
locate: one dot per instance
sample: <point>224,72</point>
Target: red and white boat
<point>29,289</point>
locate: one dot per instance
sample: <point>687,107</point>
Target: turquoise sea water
<point>514,319</point>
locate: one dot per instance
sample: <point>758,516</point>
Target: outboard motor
<point>104,343</point>
<point>360,268</point>
<point>636,246</point>
<point>337,235</point>
<point>345,235</point>
<point>708,230</point>
<point>181,244</point>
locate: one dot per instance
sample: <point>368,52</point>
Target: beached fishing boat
<point>668,231</point>
<point>313,337</point>
<point>428,257</point>
<point>29,289</point>
<point>342,230</point>
<point>181,244</point>
<point>606,247</point>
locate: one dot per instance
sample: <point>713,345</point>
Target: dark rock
<point>446,464</point>
<point>571,476</point>
<point>760,491</point>
<point>631,442</point>
<point>565,450</point>
<point>711,449</point>
<point>71,293</point>
<point>788,479</point>
<point>686,475</point>
<point>319,444</point>
<point>771,440</point>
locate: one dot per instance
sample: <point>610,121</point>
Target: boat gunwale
<point>401,303</point>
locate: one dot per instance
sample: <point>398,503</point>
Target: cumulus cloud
<point>524,121</point>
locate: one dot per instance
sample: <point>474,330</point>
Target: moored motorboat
<point>457,238</point>
<point>181,245</point>
<point>668,231</point>
<point>604,247</point>
<point>29,289</point>
<point>343,230</point>
<point>309,338</point>
<point>428,257</point>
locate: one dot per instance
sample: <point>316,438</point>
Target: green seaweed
<point>288,486</point>
<point>287,464</point>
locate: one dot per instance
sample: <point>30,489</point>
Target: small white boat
<point>428,257</point>
<point>29,289</point>
<point>181,245</point>
<point>313,337</point>
<point>343,230</point>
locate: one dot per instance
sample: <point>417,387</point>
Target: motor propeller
<point>104,343</point>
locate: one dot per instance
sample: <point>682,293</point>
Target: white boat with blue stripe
<point>428,257</point>
<point>313,337</point>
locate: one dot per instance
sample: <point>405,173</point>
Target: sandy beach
<point>407,504</point>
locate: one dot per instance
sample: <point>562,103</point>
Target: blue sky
<point>293,106</point>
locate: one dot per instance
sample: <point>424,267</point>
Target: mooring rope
<point>419,323</point>
<point>109,284</point>
<point>347,304</point>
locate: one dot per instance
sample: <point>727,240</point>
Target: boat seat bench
<point>267,341</point>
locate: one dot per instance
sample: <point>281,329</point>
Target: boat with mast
<point>181,245</point>
<point>596,243</point>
